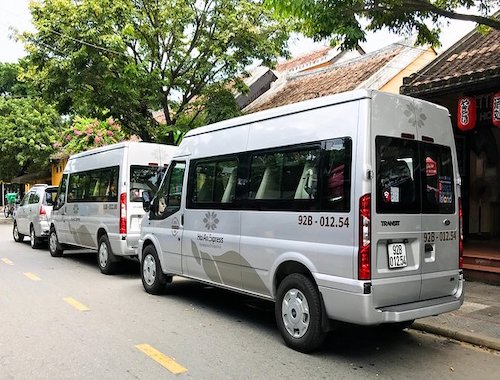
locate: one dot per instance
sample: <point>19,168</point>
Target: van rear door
<point>440,230</point>
<point>396,219</point>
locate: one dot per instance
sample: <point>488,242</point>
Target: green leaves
<point>338,19</point>
<point>28,128</point>
<point>127,58</point>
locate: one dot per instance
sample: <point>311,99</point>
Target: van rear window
<point>144,178</point>
<point>413,177</point>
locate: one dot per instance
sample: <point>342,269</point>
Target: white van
<point>99,201</point>
<point>341,208</point>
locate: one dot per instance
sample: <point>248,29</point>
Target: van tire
<point>18,237</point>
<point>305,302</point>
<point>153,278</point>
<point>34,241</point>
<point>106,260</point>
<point>55,247</point>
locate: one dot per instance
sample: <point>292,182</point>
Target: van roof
<point>294,108</point>
<point>106,148</point>
<point>283,110</point>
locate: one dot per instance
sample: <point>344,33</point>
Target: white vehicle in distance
<point>342,208</point>
<point>33,215</point>
<point>99,200</point>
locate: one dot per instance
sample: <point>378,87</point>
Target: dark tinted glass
<point>215,181</point>
<point>337,175</point>
<point>144,178</point>
<point>398,177</point>
<point>438,185</point>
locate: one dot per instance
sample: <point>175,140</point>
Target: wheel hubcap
<point>103,255</point>
<point>149,269</point>
<point>295,313</point>
<point>32,237</point>
<point>53,241</point>
<point>16,232</point>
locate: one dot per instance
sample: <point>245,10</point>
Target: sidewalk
<point>476,322</point>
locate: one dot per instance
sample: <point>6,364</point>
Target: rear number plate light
<point>397,255</point>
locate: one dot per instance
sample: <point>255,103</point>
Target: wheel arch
<point>288,264</point>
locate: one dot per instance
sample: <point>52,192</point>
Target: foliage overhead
<point>10,84</point>
<point>126,58</point>
<point>28,128</point>
<point>339,19</point>
<point>86,133</point>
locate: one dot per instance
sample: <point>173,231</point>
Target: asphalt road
<point>61,319</point>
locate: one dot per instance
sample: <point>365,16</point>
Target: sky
<point>15,14</point>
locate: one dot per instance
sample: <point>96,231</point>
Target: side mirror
<point>146,200</point>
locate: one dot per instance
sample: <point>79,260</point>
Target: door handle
<point>446,222</point>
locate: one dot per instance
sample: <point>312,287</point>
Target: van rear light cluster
<point>123,213</point>
<point>364,254</point>
<point>461,235</point>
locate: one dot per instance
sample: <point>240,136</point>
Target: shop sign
<point>466,113</point>
<point>495,109</point>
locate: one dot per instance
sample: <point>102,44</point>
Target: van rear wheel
<point>153,278</point>
<point>298,313</point>
<point>106,260</point>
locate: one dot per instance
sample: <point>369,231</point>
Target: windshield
<point>144,178</point>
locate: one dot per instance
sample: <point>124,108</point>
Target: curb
<point>468,337</point>
<point>6,221</point>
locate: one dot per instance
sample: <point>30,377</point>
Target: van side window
<point>214,181</point>
<point>284,175</point>
<point>34,198</point>
<point>100,185</point>
<point>337,175</point>
<point>169,195</point>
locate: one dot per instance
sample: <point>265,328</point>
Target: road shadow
<point>349,341</point>
<point>126,268</point>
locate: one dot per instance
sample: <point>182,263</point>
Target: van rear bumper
<point>359,308</point>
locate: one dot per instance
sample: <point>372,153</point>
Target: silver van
<point>342,208</point>
<point>33,215</point>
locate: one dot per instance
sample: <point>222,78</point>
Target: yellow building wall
<point>422,60</point>
<point>57,170</point>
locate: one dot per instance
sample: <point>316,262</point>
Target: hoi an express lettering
<point>210,238</point>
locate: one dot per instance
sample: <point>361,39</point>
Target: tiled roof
<point>475,57</point>
<point>302,60</point>
<point>340,77</point>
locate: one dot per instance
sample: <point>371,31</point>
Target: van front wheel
<point>55,248</point>
<point>153,278</point>
<point>298,313</point>
<point>105,257</point>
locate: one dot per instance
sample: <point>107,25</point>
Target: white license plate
<point>397,255</point>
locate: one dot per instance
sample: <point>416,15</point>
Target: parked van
<point>342,208</point>
<point>99,200</point>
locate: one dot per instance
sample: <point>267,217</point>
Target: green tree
<point>339,19</point>
<point>126,58</point>
<point>10,82</point>
<point>28,129</point>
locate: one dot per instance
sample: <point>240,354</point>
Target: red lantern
<point>466,113</point>
<point>495,109</point>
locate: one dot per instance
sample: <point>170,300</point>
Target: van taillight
<point>42,211</point>
<point>123,213</point>
<point>461,235</point>
<point>364,259</point>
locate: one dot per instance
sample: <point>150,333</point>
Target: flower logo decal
<point>210,221</point>
<point>415,115</point>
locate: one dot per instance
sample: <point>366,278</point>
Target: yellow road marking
<point>31,276</point>
<point>162,359</point>
<point>77,305</point>
<point>7,261</point>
